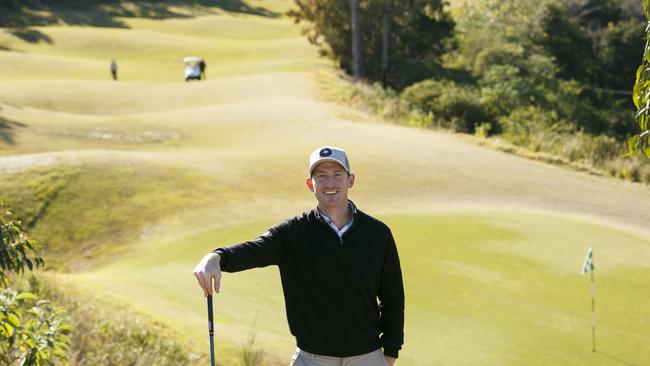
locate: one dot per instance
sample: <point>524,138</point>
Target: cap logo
<point>325,152</point>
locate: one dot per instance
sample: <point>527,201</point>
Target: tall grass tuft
<point>251,355</point>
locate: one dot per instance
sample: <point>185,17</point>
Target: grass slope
<point>131,182</point>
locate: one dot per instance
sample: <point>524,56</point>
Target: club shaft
<point>211,350</point>
<point>211,329</point>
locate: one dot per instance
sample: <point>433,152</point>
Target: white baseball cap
<point>328,153</point>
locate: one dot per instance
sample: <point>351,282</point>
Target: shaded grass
<point>87,210</point>
<point>7,130</point>
<point>110,13</point>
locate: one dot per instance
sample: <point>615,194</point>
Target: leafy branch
<point>641,96</point>
<point>17,250</point>
<point>33,332</point>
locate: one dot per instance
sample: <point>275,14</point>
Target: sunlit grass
<point>494,289</point>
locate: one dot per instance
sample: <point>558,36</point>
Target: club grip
<point>210,316</point>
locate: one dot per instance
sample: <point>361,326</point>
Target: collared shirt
<point>331,223</point>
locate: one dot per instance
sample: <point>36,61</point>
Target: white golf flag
<point>588,266</point>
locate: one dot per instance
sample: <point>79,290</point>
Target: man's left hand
<point>390,360</point>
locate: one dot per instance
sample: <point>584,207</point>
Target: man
<point>202,67</point>
<point>335,263</point>
<point>114,69</point>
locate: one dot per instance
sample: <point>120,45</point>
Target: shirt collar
<point>351,206</point>
<point>323,216</point>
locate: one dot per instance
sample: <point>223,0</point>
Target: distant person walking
<point>202,67</point>
<point>339,269</point>
<point>114,69</point>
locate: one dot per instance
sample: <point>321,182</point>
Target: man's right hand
<point>209,268</point>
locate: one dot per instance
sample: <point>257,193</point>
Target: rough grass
<point>112,335</point>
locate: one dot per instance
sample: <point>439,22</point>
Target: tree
<point>417,31</point>
<point>569,43</point>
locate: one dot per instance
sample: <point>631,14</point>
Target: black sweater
<point>331,285</point>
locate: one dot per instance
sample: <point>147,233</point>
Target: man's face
<point>330,183</point>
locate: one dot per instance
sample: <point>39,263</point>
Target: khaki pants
<point>374,358</point>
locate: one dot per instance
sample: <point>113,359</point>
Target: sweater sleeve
<point>391,301</point>
<point>267,249</point>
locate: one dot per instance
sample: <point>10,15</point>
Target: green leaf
<point>9,330</point>
<point>42,355</point>
<point>64,328</point>
<point>13,319</point>
<point>26,296</point>
<point>632,145</point>
<point>64,338</point>
<point>636,95</point>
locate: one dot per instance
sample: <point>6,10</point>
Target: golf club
<point>211,329</point>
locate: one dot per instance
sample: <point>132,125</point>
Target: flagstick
<point>593,313</point>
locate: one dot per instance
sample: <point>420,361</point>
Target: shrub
<point>17,248</point>
<point>32,331</point>
<point>599,149</point>
<point>378,100</point>
<point>452,106</point>
<point>483,130</point>
<point>645,173</point>
<point>533,128</point>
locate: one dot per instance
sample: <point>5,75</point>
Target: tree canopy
<point>420,31</point>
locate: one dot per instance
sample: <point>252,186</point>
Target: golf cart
<point>193,69</point>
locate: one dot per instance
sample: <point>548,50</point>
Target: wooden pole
<point>356,40</point>
<point>385,36</point>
